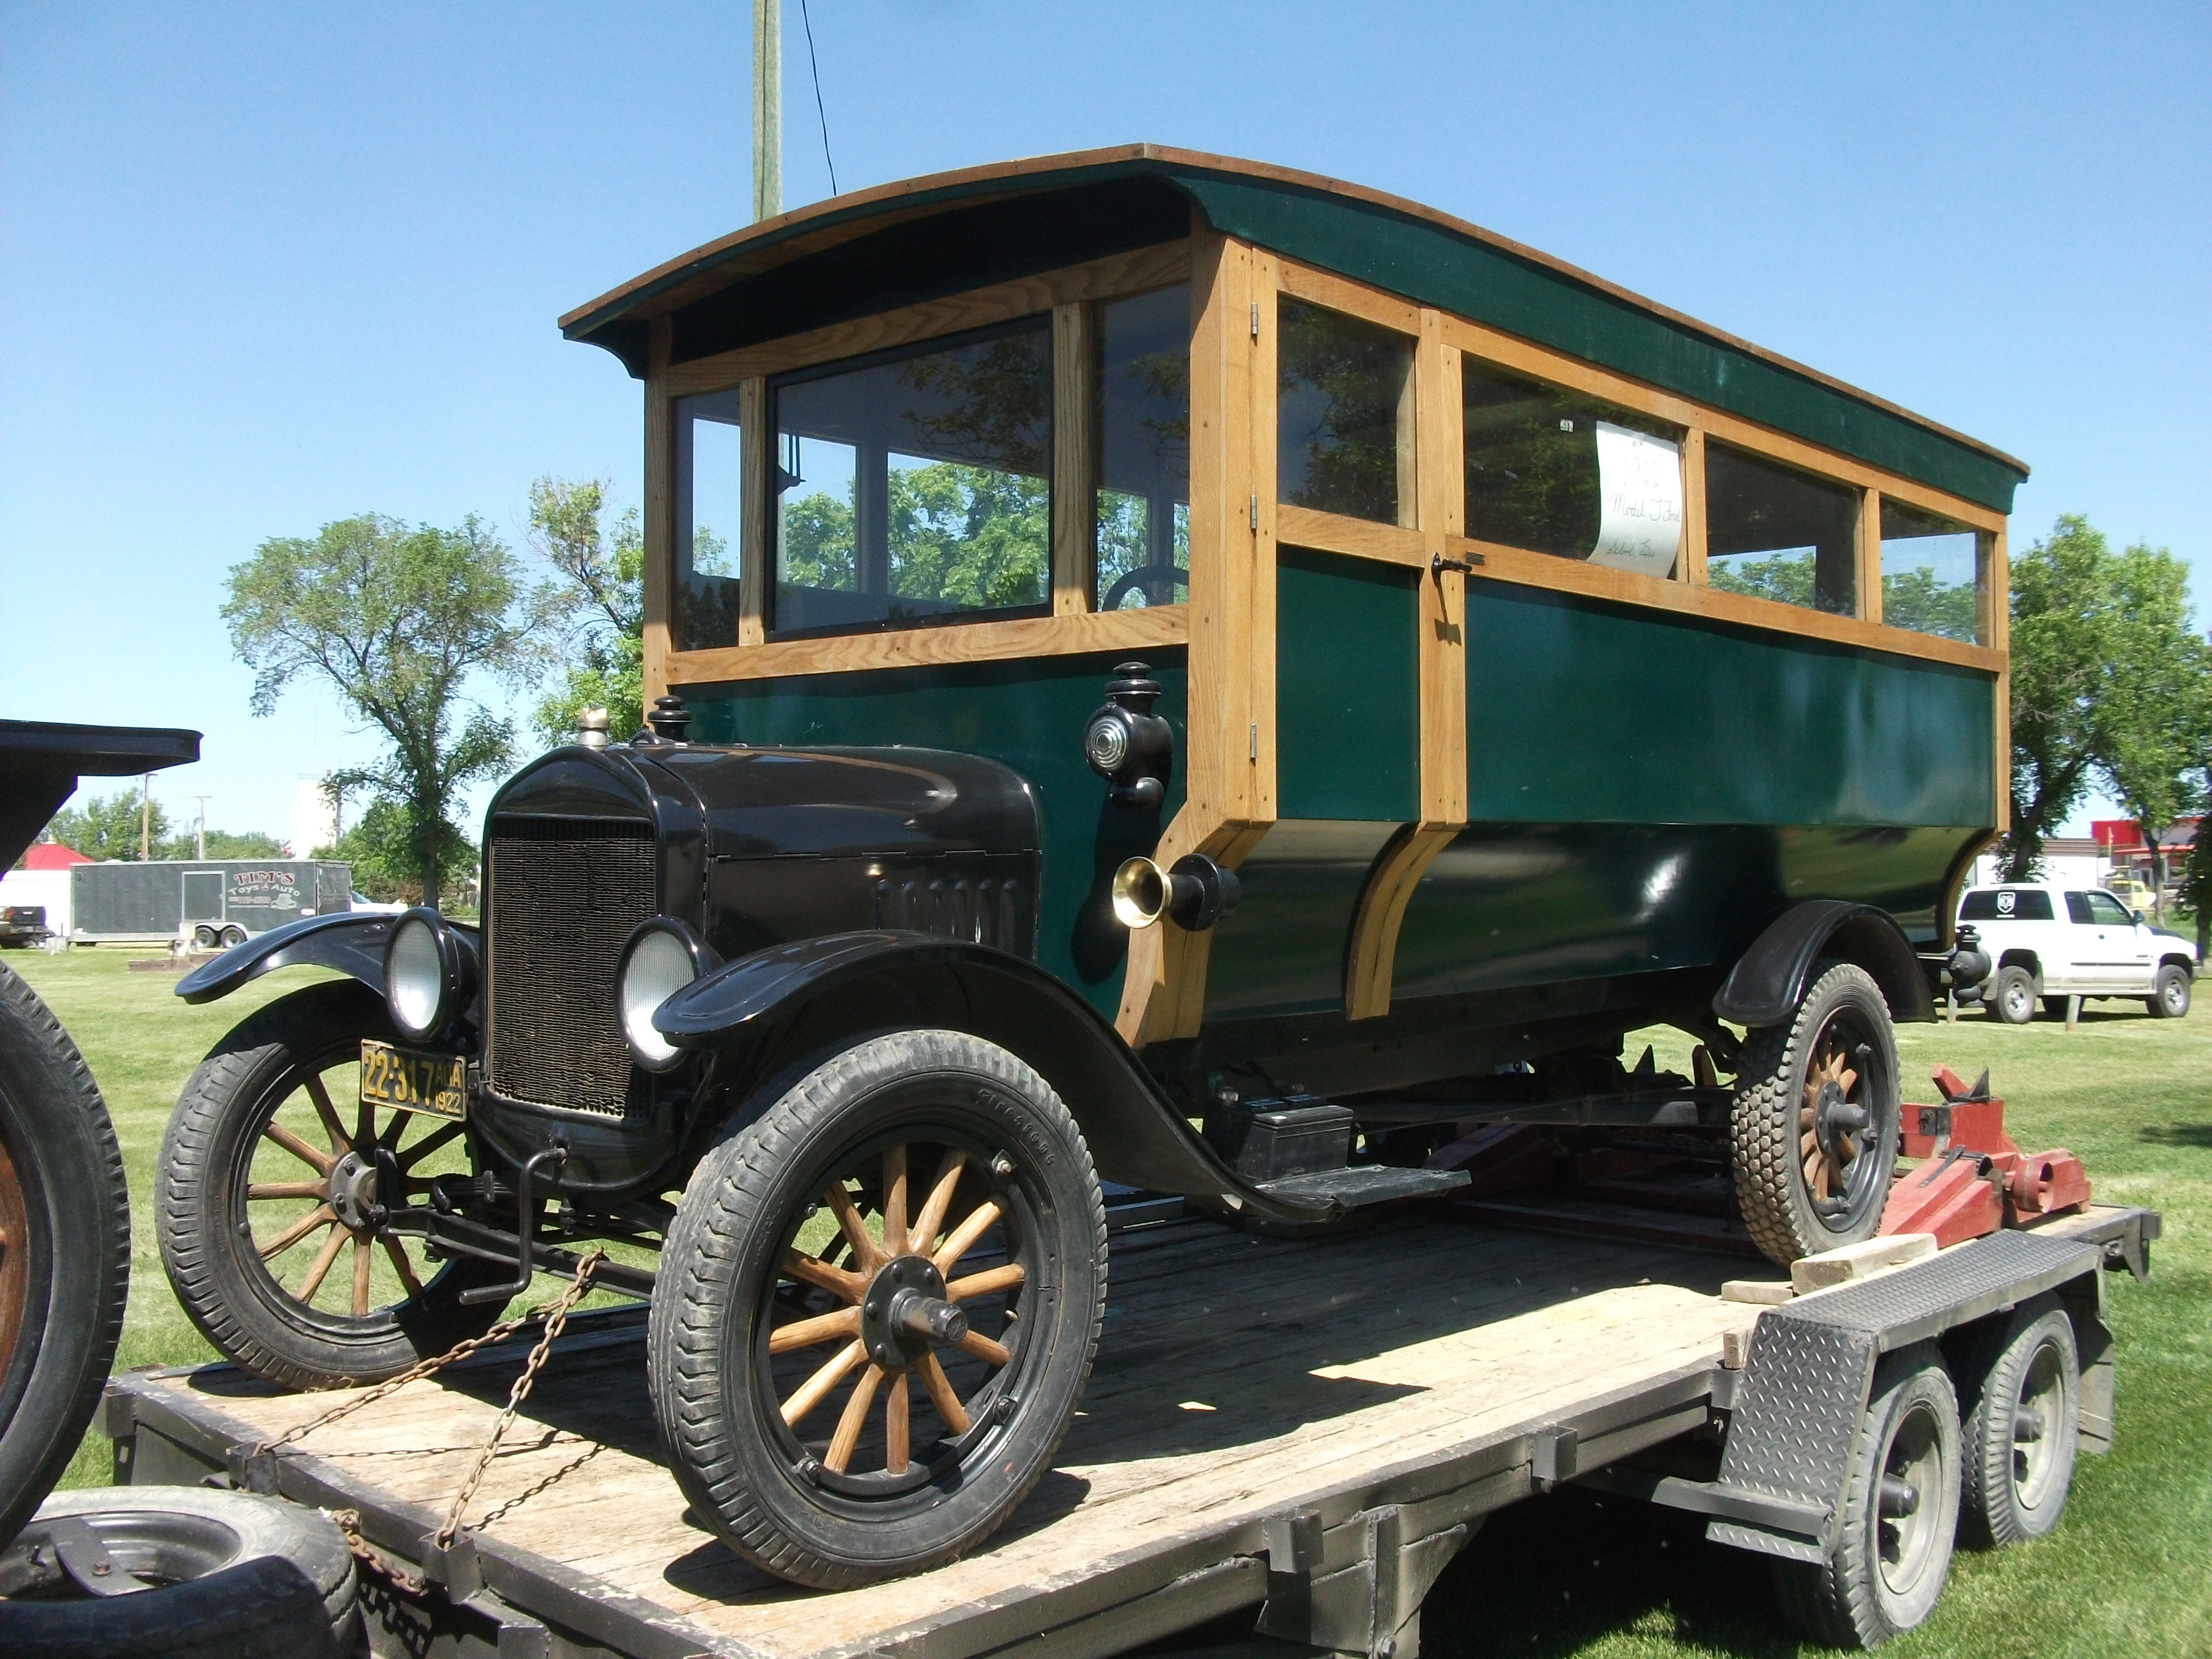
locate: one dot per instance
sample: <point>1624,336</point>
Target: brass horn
<point>1195,895</point>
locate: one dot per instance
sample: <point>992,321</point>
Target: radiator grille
<point>562,894</point>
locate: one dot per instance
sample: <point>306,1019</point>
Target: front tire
<point>1893,1551</point>
<point>1812,1132</point>
<point>2169,998</point>
<point>910,1172</point>
<point>249,1217</point>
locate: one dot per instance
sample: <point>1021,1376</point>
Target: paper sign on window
<point>1640,497</point>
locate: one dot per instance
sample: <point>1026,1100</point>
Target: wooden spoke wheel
<point>278,1190</point>
<point>1812,1132</point>
<point>888,1346</point>
<point>877,1308</point>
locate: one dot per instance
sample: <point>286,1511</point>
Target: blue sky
<point>261,267</point>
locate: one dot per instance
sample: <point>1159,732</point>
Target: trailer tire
<point>802,1508</point>
<point>236,1576</point>
<point>65,1264</point>
<point>1782,1097</point>
<point>2019,1371</point>
<point>1887,1569</point>
<point>201,1202</point>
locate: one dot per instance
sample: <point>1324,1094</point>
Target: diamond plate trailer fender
<point>1810,1363</point>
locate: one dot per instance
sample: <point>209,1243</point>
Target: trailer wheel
<point>254,1215</point>
<point>2169,997</point>
<point>1812,1132</point>
<point>65,1248</point>
<point>2021,1383</point>
<point>2012,999</point>
<point>231,935</point>
<point>205,1575</point>
<point>877,1308</point>
<point>1900,1515</point>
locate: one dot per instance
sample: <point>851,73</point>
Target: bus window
<point>1344,426</point>
<point>1775,533</point>
<point>915,486</point>
<point>708,478</point>
<point>1928,567</point>
<point>1556,471</point>
<point>1141,417</point>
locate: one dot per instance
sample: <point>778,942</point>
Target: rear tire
<point>65,1263</point>
<point>1812,1132</point>
<point>2170,992</point>
<point>1893,1551</point>
<point>2021,1388</point>
<point>2012,999</point>
<point>233,1577</point>
<point>748,1422</point>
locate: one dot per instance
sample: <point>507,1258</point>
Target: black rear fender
<point>1769,980</point>
<point>762,1013</point>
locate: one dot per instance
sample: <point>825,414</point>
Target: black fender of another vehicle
<point>352,944</point>
<point>1768,980</point>
<point>799,997</point>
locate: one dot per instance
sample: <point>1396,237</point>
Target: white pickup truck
<point>2051,943</point>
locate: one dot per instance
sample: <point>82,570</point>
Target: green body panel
<point>1282,949</point>
<point>1582,711</point>
<point>1347,688</point>
<point>1027,716</point>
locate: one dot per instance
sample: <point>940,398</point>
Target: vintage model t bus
<point>1166,672</point>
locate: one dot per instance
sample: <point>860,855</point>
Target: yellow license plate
<point>412,1080</point>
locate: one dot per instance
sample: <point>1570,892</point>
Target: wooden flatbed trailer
<point>1310,1430</point>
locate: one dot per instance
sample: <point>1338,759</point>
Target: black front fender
<point>863,980</point>
<point>1768,980</point>
<point>354,945</point>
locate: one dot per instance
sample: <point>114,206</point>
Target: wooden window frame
<point>1068,297</point>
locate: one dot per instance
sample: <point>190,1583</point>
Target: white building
<point>314,818</point>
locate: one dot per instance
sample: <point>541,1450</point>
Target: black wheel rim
<point>301,1160</point>
<point>871,1428</point>
<point>1843,1128</point>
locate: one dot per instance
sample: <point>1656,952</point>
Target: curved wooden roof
<point>922,238</point>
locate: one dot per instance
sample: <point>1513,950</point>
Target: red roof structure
<point>51,855</point>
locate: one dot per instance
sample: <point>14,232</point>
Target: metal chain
<point>348,1522</point>
<point>556,1315</point>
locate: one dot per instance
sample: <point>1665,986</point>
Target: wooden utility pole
<point>768,108</point>
<point>145,818</point>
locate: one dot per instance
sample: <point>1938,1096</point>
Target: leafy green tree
<point>223,844</point>
<point>598,590</point>
<point>2062,621</point>
<point>395,621</point>
<point>1922,601</point>
<point>2149,709</point>
<point>107,826</point>
<point>1786,577</point>
<point>380,847</point>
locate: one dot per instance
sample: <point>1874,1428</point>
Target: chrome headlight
<point>658,959</point>
<point>428,974</point>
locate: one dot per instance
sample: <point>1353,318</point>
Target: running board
<point>1357,1185</point>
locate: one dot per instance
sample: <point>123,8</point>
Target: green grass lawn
<point>2130,1570</point>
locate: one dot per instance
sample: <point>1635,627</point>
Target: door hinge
<point>1256,512</point>
<point>1255,738</point>
<point>1256,319</point>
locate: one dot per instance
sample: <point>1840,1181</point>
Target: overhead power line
<point>819,112</point>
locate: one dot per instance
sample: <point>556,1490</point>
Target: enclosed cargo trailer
<point>212,902</point>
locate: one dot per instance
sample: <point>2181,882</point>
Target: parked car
<point>1162,672</point>
<point>2047,942</point>
<point>23,924</point>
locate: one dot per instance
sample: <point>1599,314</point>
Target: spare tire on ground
<point>65,1248</point>
<point>176,1572</point>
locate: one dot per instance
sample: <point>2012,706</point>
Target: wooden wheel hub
<point>904,1313</point>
